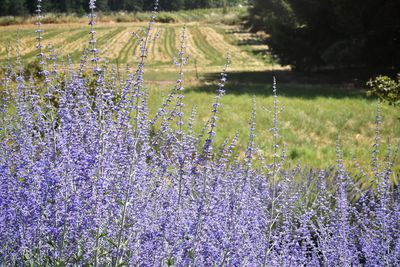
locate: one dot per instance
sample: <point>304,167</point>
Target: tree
<point>4,5</point>
<point>133,5</point>
<point>101,5</point>
<point>177,4</point>
<point>23,7</point>
<point>309,34</point>
<point>13,8</point>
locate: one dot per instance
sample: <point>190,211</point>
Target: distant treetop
<point>26,7</point>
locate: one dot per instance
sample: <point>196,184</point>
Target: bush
<point>88,177</point>
<point>166,18</point>
<point>11,20</point>
<point>386,89</point>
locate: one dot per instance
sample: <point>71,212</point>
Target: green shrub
<point>11,20</point>
<point>386,89</point>
<point>166,18</point>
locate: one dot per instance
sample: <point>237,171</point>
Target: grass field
<point>207,45</point>
<point>311,120</point>
<point>314,115</point>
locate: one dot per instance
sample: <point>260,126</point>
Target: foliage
<point>386,89</point>
<point>90,178</point>
<point>24,7</point>
<point>330,33</point>
<point>206,15</point>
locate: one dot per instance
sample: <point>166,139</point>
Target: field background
<point>316,110</point>
<point>209,37</point>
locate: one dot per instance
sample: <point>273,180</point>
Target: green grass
<point>310,123</point>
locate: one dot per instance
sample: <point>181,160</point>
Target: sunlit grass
<point>310,125</point>
<point>207,45</point>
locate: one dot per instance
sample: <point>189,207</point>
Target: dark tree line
<point>26,7</point>
<point>308,34</point>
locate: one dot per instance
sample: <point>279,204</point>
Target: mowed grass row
<point>207,45</point>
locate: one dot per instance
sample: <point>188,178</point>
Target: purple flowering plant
<point>89,178</point>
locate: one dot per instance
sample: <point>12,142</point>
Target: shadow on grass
<point>335,84</point>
